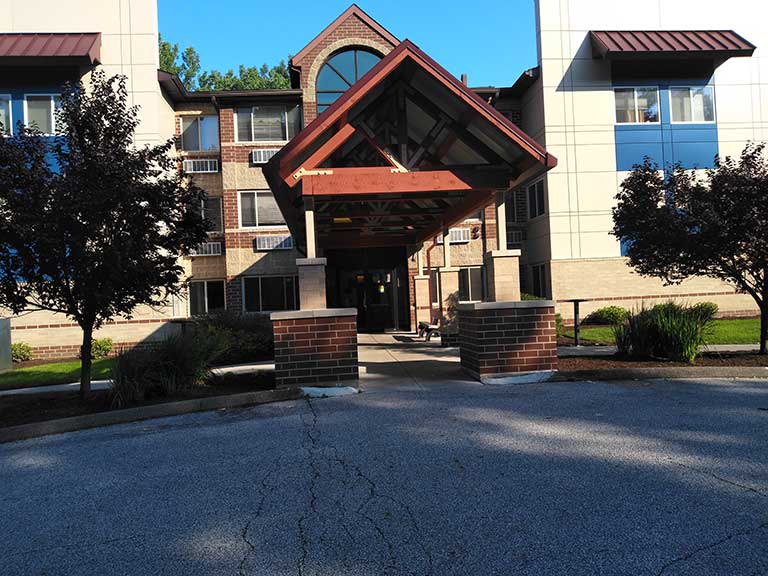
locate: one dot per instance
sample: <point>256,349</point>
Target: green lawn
<point>730,331</point>
<point>54,373</point>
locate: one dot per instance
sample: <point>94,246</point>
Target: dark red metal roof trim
<point>646,44</point>
<point>51,45</point>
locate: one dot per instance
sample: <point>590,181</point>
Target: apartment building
<point>380,182</point>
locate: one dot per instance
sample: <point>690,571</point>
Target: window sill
<point>264,143</point>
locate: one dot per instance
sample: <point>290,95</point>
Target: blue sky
<point>493,41</point>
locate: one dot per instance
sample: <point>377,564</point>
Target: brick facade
<point>315,347</point>
<point>498,338</point>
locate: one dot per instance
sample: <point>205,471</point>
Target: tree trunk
<point>764,327</point>
<point>85,362</point>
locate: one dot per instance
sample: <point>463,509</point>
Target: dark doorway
<point>373,280</point>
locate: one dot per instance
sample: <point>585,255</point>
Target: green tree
<point>92,225</point>
<point>186,68</point>
<point>678,225</point>
<point>186,65</point>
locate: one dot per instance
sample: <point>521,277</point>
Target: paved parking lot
<point>422,473</point>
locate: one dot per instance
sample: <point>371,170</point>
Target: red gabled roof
<point>617,44</point>
<point>353,10</point>
<point>51,45</point>
<point>407,49</point>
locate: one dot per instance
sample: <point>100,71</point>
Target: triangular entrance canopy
<point>407,151</point>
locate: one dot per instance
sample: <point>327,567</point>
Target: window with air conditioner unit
<point>207,249</point>
<point>201,166</point>
<point>263,155</point>
<point>457,236</point>
<point>274,242</point>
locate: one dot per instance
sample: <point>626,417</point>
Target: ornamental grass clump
<point>167,368</point>
<point>671,331</point>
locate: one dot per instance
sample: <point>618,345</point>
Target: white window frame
<point>637,111</point>
<point>240,213</point>
<point>260,276</point>
<point>205,293</point>
<point>689,87</point>
<point>482,284</point>
<point>263,142</point>
<point>7,98</point>
<point>52,98</point>
<point>528,200</point>
<point>197,118</point>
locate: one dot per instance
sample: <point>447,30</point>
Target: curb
<point>61,425</point>
<point>719,372</point>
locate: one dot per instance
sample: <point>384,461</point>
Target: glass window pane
<point>251,294</point>
<point>294,121</point>
<point>190,134</point>
<point>365,61</point>
<point>648,104</point>
<point>328,79</point>
<point>464,285</point>
<point>39,113</point>
<point>321,108</point>
<point>625,105</point>
<point>248,209</point>
<point>5,116</point>
<point>290,294</point>
<point>196,298</point>
<point>215,296</point>
<point>681,104</point>
<point>244,125</point>
<point>272,293</point>
<point>269,123</point>
<point>344,63</point>
<point>435,287</point>
<point>328,97</point>
<point>269,213</point>
<point>209,132</point>
<point>476,284</point>
<point>703,104</point>
<point>212,213</point>
<point>540,198</point>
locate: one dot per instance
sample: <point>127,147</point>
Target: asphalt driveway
<point>423,473</point>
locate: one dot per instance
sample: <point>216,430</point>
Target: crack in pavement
<point>711,546</point>
<point>323,458</point>
<point>721,479</point>
<point>252,548</point>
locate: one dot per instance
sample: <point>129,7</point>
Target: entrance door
<point>365,281</point>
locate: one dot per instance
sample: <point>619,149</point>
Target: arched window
<point>339,73</point>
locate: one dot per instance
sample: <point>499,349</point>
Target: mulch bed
<point>735,359</point>
<point>28,408</point>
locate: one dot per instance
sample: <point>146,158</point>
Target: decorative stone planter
<point>315,347</point>
<point>498,339</point>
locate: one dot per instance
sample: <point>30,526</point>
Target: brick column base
<point>315,347</point>
<point>507,338</point>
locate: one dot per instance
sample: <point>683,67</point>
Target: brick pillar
<point>312,283</point>
<point>315,347</point>
<point>449,294</point>
<point>503,271</point>
<point>502,339</point>
<point>423,302</point>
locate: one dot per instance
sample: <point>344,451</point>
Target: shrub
<point>667,330</point>
<point>250,336</point>
<point>609,315</point>
<point>174,365</point>
<point>528,296</point>
<point>21,352</point>
<point>559,325</point>
<point>101,348</point>
<point>706,310</point>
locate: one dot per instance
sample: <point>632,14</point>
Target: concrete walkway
<point>105,384</point>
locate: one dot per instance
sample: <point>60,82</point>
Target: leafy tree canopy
<point>187,66</point>
<point>92,225</point>
<point>677,225</point>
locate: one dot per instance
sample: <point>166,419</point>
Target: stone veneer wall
<point>315,347</point>
<point>507,337</point>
